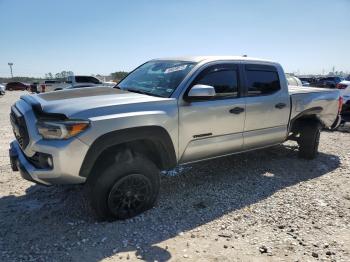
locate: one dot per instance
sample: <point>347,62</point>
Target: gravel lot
<point>266,205</point>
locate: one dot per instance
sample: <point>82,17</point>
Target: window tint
<point>86,79</point>
<point>51,81</point>
<point>225,81</point>
<point>262,82</point>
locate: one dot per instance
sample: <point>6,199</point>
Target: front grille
<point>19,127</point>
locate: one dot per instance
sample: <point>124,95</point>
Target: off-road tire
<point>124,168</point>
<point>309,139</point>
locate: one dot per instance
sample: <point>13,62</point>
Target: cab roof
<point>198,59</point>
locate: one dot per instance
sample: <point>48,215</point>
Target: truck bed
<point>310,100</point>
<point>303,90</point>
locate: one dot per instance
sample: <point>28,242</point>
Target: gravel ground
<point>266,205</point>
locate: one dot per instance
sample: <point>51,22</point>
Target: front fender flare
<point>156,134</point>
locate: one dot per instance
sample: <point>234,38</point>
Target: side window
<point>80,79</point>
<point>225,81</point>
<point>93,80</point>
<point>86,79</point>
<point>262,82</point>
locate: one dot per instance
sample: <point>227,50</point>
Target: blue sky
<point>100,37</point>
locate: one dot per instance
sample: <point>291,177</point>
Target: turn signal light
<point>340,105</point>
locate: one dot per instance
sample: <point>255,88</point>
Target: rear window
<point>262,82</point>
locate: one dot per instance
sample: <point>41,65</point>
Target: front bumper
<point>19,162</point>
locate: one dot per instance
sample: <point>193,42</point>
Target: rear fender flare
<point>312,113</point>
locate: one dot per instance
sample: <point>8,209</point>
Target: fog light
<point>45,160</point>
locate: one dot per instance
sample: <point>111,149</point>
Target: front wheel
<point>309,139</point>
<point>127,187</point>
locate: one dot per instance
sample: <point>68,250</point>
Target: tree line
<point>116,76</point>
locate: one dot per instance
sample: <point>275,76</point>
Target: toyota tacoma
<point>165,113</point>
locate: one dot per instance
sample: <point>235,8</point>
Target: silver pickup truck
<point>165,113</point>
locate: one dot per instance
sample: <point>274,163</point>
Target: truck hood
<point>91,102</point>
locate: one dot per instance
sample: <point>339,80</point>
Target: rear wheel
<point>309,139</point>
<point>128,186</point>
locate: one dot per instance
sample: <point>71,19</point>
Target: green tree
<point>49,76</point>
<point>119,75</point>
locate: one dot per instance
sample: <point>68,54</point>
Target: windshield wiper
<point>137,91</point>
<point>141,92</point>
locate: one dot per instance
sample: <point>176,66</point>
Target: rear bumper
<point>345,113</point>
<point>28,171</point>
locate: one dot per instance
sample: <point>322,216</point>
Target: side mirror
<point>201,91</point>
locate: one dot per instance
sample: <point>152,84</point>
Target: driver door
<point>212,127</point>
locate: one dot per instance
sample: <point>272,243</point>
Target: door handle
<point>236,110</point>
<point>280,105</point>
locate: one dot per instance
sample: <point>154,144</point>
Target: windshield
<point>158,78</point>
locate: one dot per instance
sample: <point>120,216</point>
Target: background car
<point>109,83</point>
<point>293,80</point>
<point>328,82</point>
<point>17,86</point>
<point>70,82</point>
<point>48,85</point>
<point>305,83</point>
<point>2,89</point>
<point>344,87</point>
<point>308,81</point>
<point>34,87</point>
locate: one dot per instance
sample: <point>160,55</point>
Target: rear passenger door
<point>267,106</point>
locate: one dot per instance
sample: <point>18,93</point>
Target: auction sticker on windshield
<point>175,69</point>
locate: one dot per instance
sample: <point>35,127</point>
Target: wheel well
<point>151,141</point>
<point>297,125</point>
<point>145,147</point>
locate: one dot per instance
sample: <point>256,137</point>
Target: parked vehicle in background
<point>344,87</point>
<point>305,83</point>
<point>71,82</point>
<point>34,87</point>
<point>308,81</point>
<point>2,89</point>
<point>17,86</point>
<point>328,82</point>
<point>293,80</point>
<point>109,83</point>
<point>48,85</point>
<point>166,112</point>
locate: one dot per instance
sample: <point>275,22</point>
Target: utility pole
<point>10,65</point>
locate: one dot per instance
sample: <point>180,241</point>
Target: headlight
<point>61,129</point>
